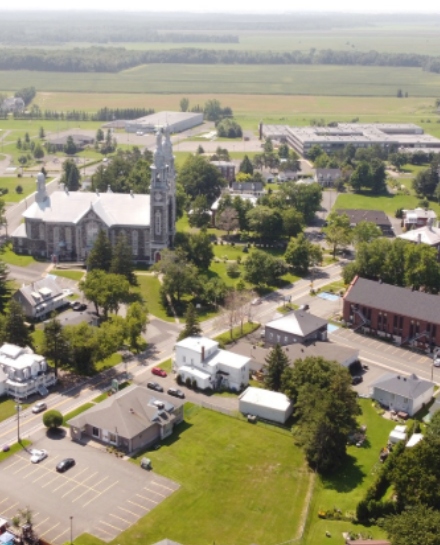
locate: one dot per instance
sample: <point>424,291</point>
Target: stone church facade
<point>64,225</point>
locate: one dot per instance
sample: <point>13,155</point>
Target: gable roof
<point>34,293</point>
<point>247,186</point>
<point>298,322</point>
<point>411,387</point>
<point>356,216</point>
<point>426,235</point>
<point>129,412</point>
<point>395,299</point>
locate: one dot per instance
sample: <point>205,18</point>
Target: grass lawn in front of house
<point>71,275</point>
<point>76,412</point>
<point>16,447</point>
<point>149,288</point>
<point>11,258</point>
<point>232,492</point>
<point>111,361</point>
<point>388,203</point>
<point>7,408</point>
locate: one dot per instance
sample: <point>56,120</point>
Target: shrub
<point>233,270</point>
<point>19,189</point>
<point>188,382</point>
<point>194,384</point>
<point>52,419</point>
<point>179,380</point>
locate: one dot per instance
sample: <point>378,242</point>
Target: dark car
<point>65,464</point>
<point>304,307</point>
<point>356,379</point>
<point>79,306</point>
<point>176,393</point>
<point>39,407</point>
<point>154,386</point>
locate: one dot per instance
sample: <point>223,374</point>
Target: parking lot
<point>104,494</point>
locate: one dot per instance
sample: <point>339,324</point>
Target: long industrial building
<point>176,121</point>
<point>387,135</point>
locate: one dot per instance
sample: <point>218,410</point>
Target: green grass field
<point>10,183</point>
<point>16,447</point>
<point>149,287</point>
<point>11,258</point>
<point>72,275</point>
<point>7,408</point>
<point>76,412</point>
<point>247,79</point>
<point>229,493</point>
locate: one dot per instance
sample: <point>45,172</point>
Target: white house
<point>23,373</point>
<point>400,393</point>
<point>265,404</point>
<point>200,359</point>
<point>41,298</point>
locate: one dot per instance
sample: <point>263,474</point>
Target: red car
<point>158,371</point>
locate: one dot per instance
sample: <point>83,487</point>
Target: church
<point>63,226</point>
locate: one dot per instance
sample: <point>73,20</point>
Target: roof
<point>228,359</point>
<point>220,164</point>
<point>196,342</point>
<point>266,398</point>
<point>376,216</point>
<point>17,357</point>
<point>421,213</point>
<point>164,118</point>
<point>243,196</point>
<point>113,208</point>
<point>426,235</point>
<point>298,322</point>
<point>325,349</point>
<point>247,186</point>
<point>414,439</point>
<point>388,298</point>
<point>194,371</point>
<point>328,172</point>
<point>129,412</point>
<point>40,291</point>
<point>167,542</point>
<point>410,387</point>
<point>77,138</point>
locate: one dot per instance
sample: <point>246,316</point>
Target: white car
<point>437,361</point>
<point>38,455</point>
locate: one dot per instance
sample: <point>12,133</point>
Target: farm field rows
<point>247,79</point>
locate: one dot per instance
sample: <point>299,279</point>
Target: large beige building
<point>66,223</point>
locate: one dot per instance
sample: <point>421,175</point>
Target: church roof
<point>113,208</point>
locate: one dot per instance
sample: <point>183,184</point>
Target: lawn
<point>7,408</point>
<point>228,337</point>
<point>228,251</point>
<point>76,412</point>
<point>229,495</point>
<point>11,258</point>
<point>388,203</point>
<point>149,288</point>
<point>16,447</point>
<point>72,275</point>
<point>10,183</point>
<point>111,361</point>
<point>345,488</point>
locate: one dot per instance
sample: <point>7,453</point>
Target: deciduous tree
<point>338,231</point>
<point>136,322</point>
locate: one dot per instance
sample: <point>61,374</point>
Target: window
<point>135,242</point>
<point>112,438</point>
<point>278,338</point>
<point>270,335</point>
<point>95,432</point>
<point>158,223</point>
<point>286,339</point>
<point>184,359</point>
<point>405,400</point>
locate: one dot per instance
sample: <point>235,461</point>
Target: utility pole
<point>71,527</point>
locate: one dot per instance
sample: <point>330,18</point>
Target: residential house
<point>297,326</point>
<point>424,235</point>
<point>23,373</point>
<point>413,219</point>
<point>248,188</point>
<point>200,359</point>
<point>226,168</point>
<point>13,104</point>
<point>287,176</point>
<point>326,177</point>
<point>402,394</point>
<point>374,216</point>
<point>265,404</point>
<point>405,316</point>
<point>243,196</point>
<point>80,141</point>
<point>133,418</point>
<point>41,298</point>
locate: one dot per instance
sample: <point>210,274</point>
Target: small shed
<point>414,440</point>
<point>398,434</point>
<point>265,404</point>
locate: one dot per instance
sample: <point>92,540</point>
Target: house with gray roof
<point>41,298</point>
<point>401,393</point>
<point>12,104</point>
<point>251,188</point>
<point>326,177</point>
<point>373,216</point>
<point>298,326</point>
<point>58,143</point>
<point>134,418</point>
<point>407,317</point>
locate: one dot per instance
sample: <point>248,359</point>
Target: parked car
<point>39,407</point>
<point>176,393</point>
<point>436,361</point>
<point>78,306</point>
<point>304,307</point>
<point>256,301</point>
<point>154,386</point>
<point>159,372</point>
<point>37,455</point>
<point>65,464</point>
<point>357,379</point>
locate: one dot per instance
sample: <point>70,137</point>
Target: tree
<point>38,151</point>
<point>314,152</point>
<point>426,181</point>
<point>104,290</point>
<point>200,150</point>
<point>276,363</point>
<point>413,526</point>
<point>16,330</point>
<point>52,419</point>
<point>246,166</point>
<point>267,146</point>
<point>242,177</point>
<point>213,110</point>
<point>283,151</point>
<point>398,160</point>
<point>266,222</point>
<point>70,147</point>
<point>227,220</point>
<point>4,287</point>
<point>361,177</point>
<point>422,268</point>
<point>197,248</point>
<point>26,138</point>
<point>192,325</point>
<point>19,144</point>
<point>99,135</point>
<point>101,254</point>
<point>179,276</point>
<point>71,175</point>
<point>433,430</point>
<point>55,344</point>
<point>378,177</point>
<point>200,178</point>
<point>136,322</point>
<point>366,231</point>
<point>41,133</point>
<point>301,254</point>
<point>200,216</point>
<point>19,189</point>
<point>122,260</point>
<point>184,104</point>
<point>293,222</point>
<point>229,128</point>
<point>338,231</point>
<point>305,198</point>
<point>262,268</point>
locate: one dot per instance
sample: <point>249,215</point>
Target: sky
<point>422,6</point>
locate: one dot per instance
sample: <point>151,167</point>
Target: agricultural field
<point>246,79</point>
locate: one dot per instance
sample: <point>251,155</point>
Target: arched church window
<point>68,234</point>
<point>92,231</point>
<point>135,242</point>
<point>56,236</point>
<point>41,231</point>
<point>158,223</point>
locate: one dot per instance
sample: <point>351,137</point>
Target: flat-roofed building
<point>175,121</point>
<point>265,404</point>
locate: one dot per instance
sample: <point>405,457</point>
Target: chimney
<point>203,353</point>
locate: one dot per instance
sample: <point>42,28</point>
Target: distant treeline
<point>104,114</point>
<point>115,59</point>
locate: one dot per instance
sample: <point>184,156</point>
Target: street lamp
<point>18,409</point>
<point>71,526</point>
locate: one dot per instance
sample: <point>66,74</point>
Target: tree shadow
<point>56,434</point>
<point>347,478</point>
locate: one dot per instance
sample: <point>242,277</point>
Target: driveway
<point>102,495</point>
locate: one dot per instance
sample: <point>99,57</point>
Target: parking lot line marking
<point>120,518</point>
<point>100,493</point>
<point>3,501</point>
<point>22,468</point>
<point>58,536</point>
<point>11,507</point>
<point>82,494</point>
<point>155,492</point>
<point>148,499</point>
<point>67,481</point>
<point>127,511</point>
<point>93,487</point>
<point>141,506</point>
<point>19,459</point>
<point>105,532</point>
<point>50,529</point>
<point>40,523</point>
<point>163,486</point>
<point>57,475</point>
<point>34,470</point>
<point>79,484</point>
<point>40,477</point>
<point>111,525</point>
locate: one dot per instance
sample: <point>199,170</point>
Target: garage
<point>265,404</point>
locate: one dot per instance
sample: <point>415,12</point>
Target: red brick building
<point>408,317</point>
